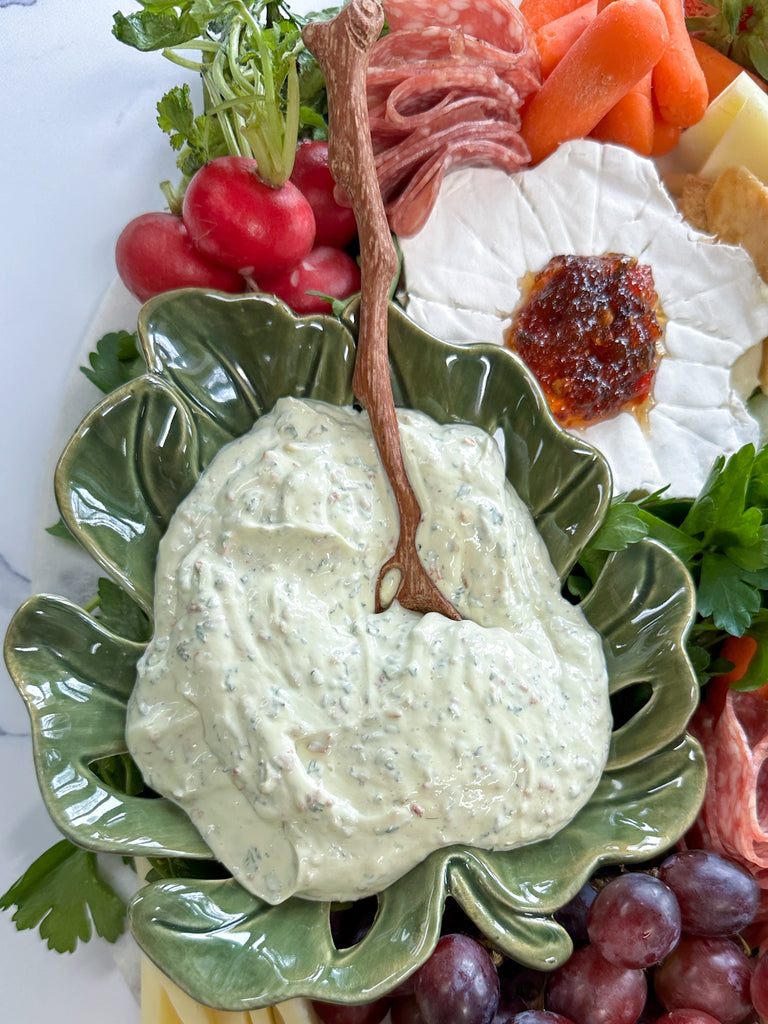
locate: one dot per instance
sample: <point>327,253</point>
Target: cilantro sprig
<point>722,538</point>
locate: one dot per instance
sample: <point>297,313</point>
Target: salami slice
<point>424,98</point>
<point>423,49</point>
<point>734,817</point>
<point>498,22</point>
<point>410,174</point>
<point>447,95</point>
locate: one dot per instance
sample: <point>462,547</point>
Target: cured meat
<point>498,22</point>
<point>447,95</point>
<point>734,817</point>
<point>423,159</point>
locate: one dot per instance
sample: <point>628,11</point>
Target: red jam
<point>589,330</point>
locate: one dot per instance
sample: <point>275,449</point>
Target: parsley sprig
<point>64,894</point>
<point>116,359</point>
<point>722,538</point>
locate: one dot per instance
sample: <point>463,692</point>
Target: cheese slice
<point>295,1011</point>
<point>156,1007</point>
<point>732,133</point>
<point>163,1002</point>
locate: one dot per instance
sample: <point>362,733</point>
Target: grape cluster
<point>658,946</point>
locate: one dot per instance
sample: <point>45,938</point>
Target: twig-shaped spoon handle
<point>341,47</point>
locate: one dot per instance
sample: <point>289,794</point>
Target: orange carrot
<point>540,12</point>
<point>630,120</point>
<point>665,135</point>
<point>616,50</point>
<point>556,38</point>
<point>679,85</point>
<point>719,70</point>
<point>740,650</point>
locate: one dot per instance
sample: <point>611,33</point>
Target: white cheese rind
<point>463,275</point>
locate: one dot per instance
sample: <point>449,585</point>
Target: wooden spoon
<point>341,47</point>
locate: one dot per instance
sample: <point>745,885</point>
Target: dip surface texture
<point>322,749</point>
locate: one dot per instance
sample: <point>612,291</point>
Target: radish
<point>336,224</point>
<point>154,254</point>
<point>236,219</point>
<point>326,270</point>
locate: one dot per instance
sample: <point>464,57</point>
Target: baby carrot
<point>679,84</point>
<point>616,50</point>
<point>719,70</point>
<point>665,135</point>
<point>556,38</point>
<point>540,12</point>
<point>630,121</point>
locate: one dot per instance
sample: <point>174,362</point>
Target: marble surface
<point>81,155</point>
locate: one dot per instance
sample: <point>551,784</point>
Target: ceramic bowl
<point>216,363</point>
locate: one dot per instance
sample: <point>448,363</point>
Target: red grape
<point>405,1010</point>
<point>590,990</point>
<point>634,921</point>
<point>716,896</point>
<point>573,916</point>
<point>687,1017</point>
<point>541,1017</point>
<point>710,974</point>
<point>338,1013</point>
<point>459,983</point>
<point>758,986</point>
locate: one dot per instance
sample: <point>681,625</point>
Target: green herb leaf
<point>154,30</point>
<point>117,359</point>
<point>120,772</point>
<point>621,527</point>
<point>64,894</point>
<point>198,139</point>
<point>118,612</point>
<point>721,536</point>
<point>719,514</point>
<point>726,595</point>
<point>60,529</point>
<point>737,28</point>
<point>260,84</point>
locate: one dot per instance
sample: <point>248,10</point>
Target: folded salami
<point>446,95</point>
<point>733,821</point>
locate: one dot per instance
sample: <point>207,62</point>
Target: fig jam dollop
<point>589,328</point>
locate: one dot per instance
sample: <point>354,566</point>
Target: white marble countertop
<point>81,155</point>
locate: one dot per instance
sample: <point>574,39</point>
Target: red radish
<point>235,219</point>
<point>336,224</point>
<point>154,254</point>
<point>326,270</point>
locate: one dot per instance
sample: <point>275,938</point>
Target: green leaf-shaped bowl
<point>215,363</point>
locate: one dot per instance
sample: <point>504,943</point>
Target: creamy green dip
<point>323,749</point>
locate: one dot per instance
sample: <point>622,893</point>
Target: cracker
<point>737,212</point>
<point>692,201</point>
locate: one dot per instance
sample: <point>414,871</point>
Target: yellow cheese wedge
<point>295,1011</point>
<point>732,133</point>
<point>163,1002</point>
<point>156,1007</point>
<point>745,141</point>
